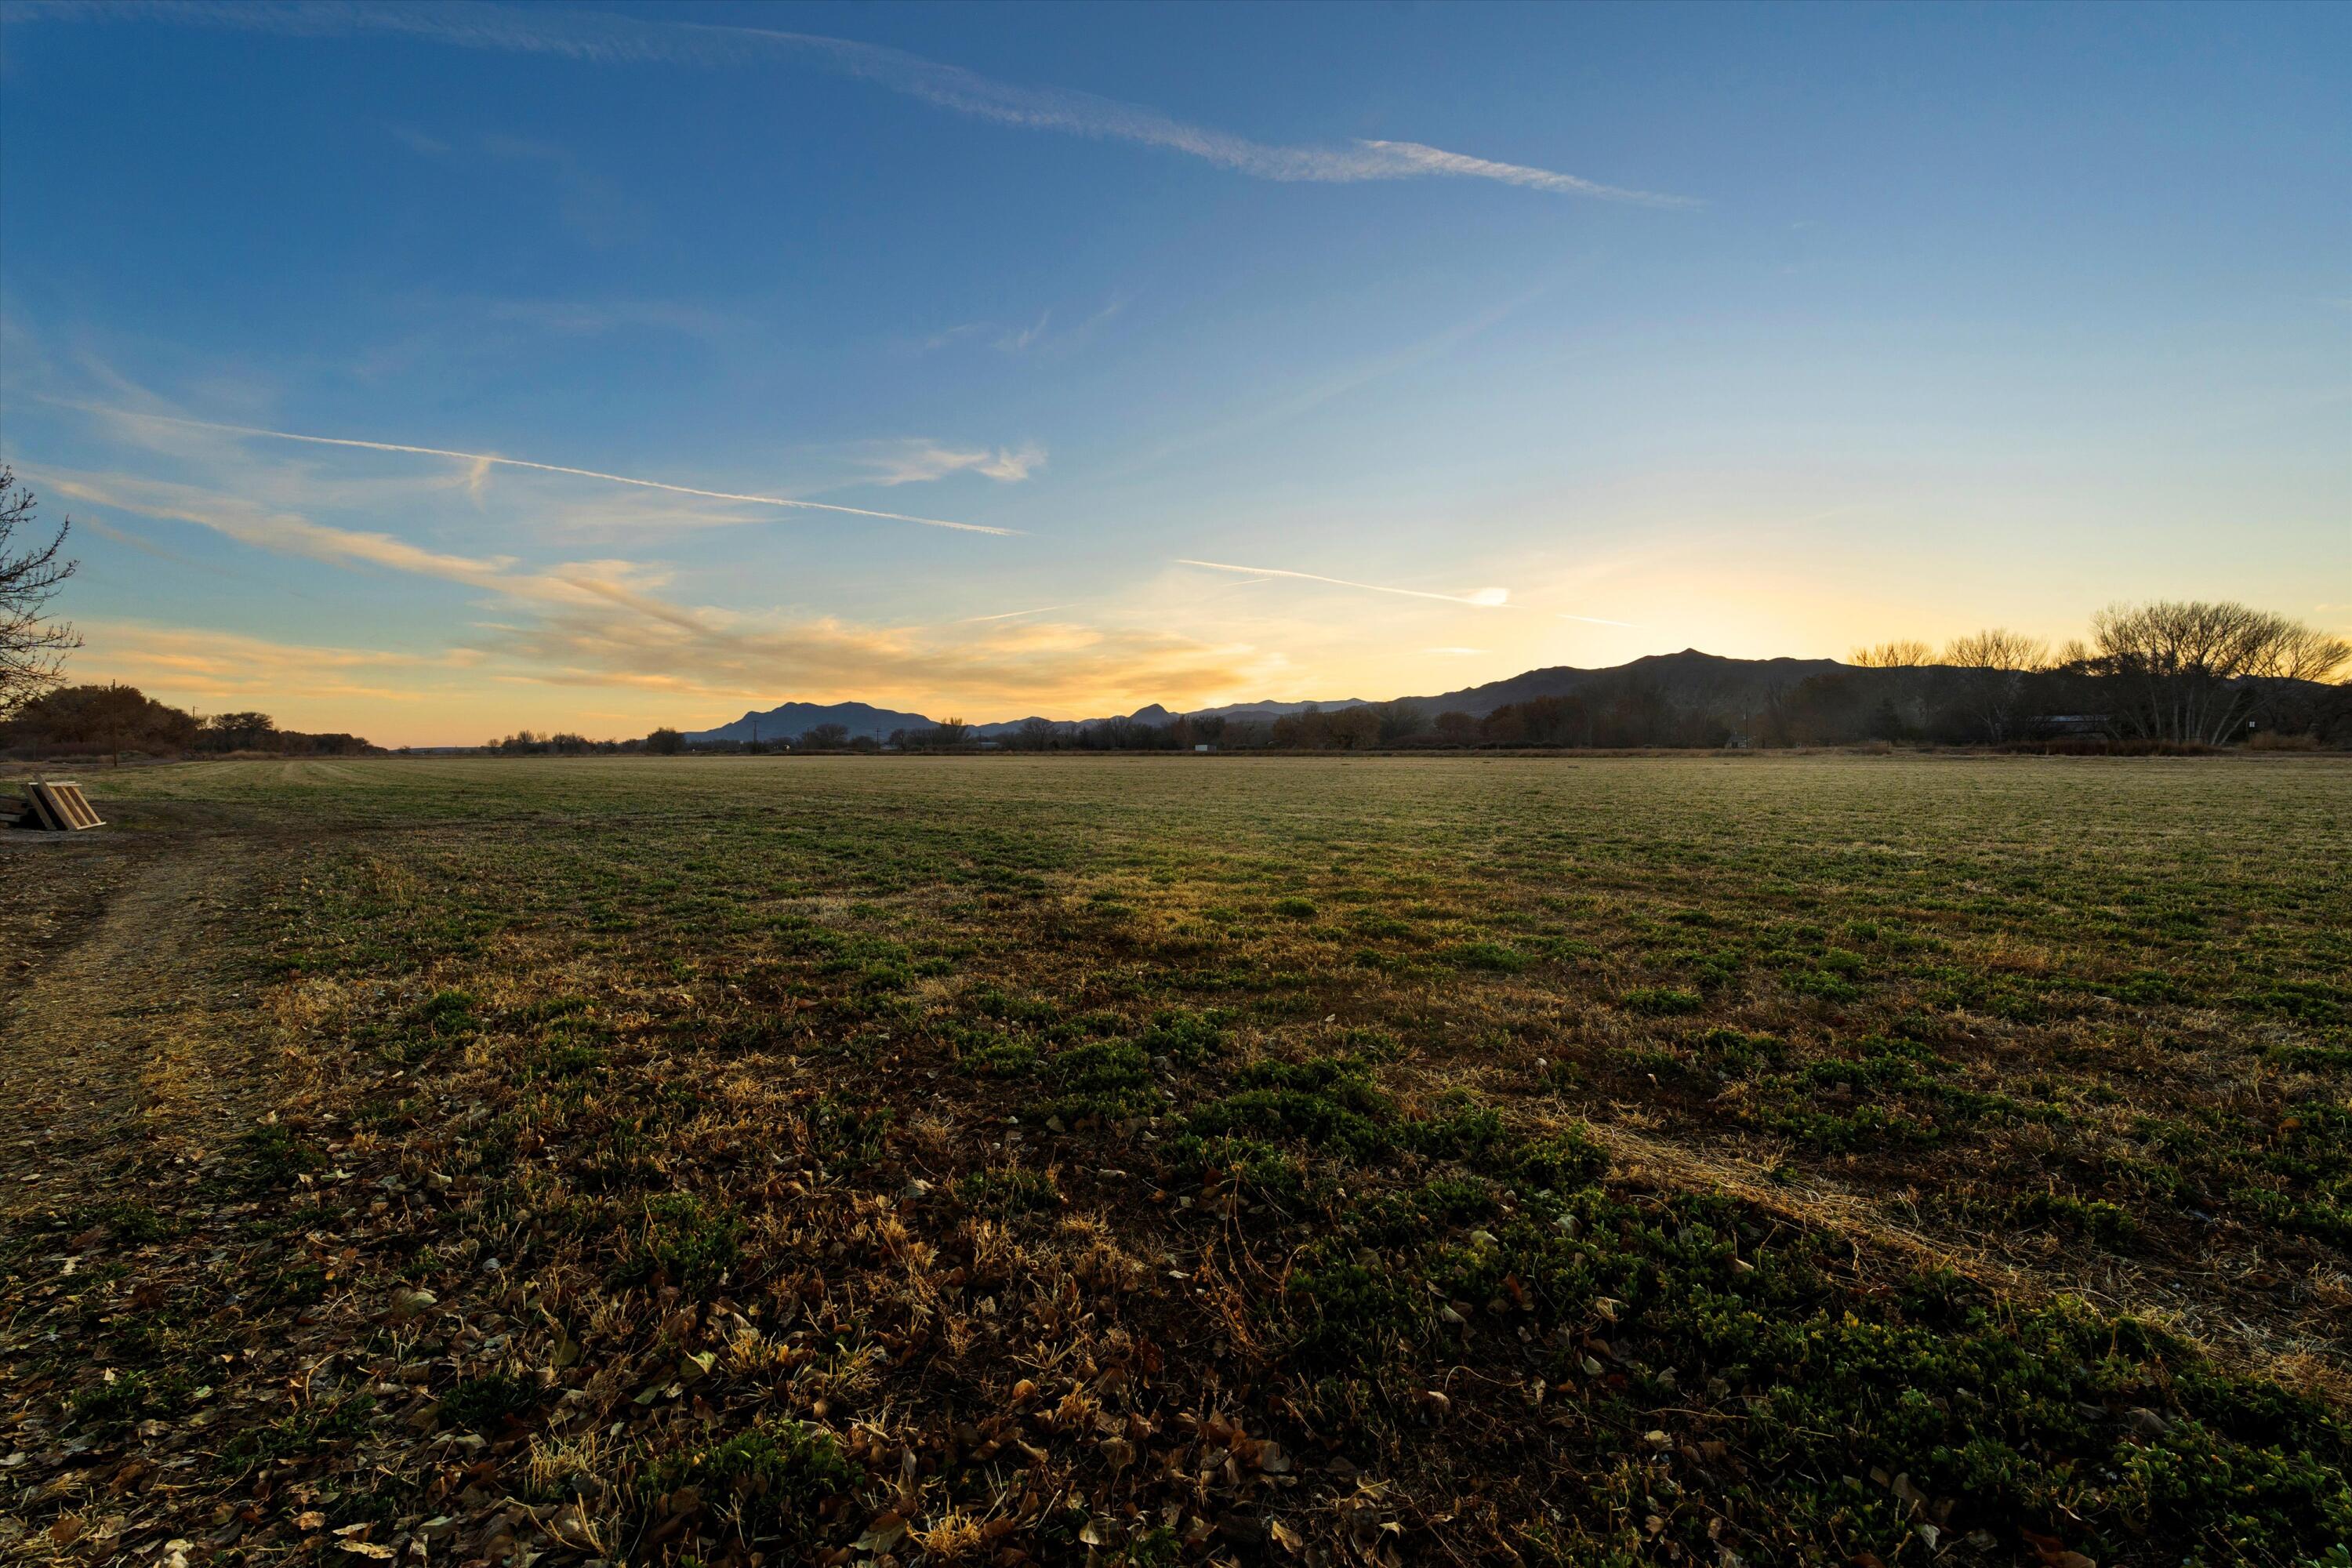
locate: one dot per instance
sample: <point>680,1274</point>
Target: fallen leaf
<point>886,1529</point>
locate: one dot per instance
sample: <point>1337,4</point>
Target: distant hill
<point>1154,715</point>
<point>789,720</point>
<point>1689,677</point>
<point>1689,680</point>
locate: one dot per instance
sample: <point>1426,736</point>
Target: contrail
<point>480,457</point>
<point>572,33</point>
<point>1010,614</point>
<point>1484,599</point>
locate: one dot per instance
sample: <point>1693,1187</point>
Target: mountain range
<point>1688,676</point>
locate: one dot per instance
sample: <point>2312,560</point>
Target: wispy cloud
<point>1040,334</point>
<point>284,533</point>
<point>192,664</point>
<point>579,35</point>
<point>481,460</point>
<point>605,623</point>
<point>1477,598</point>
<point>1013,341</point>
<point>917,462</point>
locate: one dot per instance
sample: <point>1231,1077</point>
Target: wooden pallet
<point>60,807</point>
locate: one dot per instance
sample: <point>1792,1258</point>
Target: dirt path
<point>128,1040</point>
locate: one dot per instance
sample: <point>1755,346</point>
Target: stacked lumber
<point>60,807</point>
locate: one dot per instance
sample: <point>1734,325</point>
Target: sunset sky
<point>432,371</point>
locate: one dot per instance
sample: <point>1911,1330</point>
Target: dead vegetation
<point>1668,1160</point>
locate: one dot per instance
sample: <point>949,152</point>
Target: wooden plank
<point>43,812</point>
<point>77,805</point>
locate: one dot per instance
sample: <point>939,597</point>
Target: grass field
<point>1685,1160</point>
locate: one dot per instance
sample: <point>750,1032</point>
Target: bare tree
<point>2201,672</point>
<point>1904,653</point>
<point>1911,680</point>
<point>1992,665</point>
<point>1399,722</point>
<point>33,647</point>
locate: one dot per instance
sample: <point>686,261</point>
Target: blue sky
<point>1454,340</point>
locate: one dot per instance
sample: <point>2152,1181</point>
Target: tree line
<point>114,719</point>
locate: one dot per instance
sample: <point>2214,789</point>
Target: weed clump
<point>1185,1037</point>
<point>1346,1313</point>
<point>1491,957</point>
<point>1329,1103</point>
<point>682,1241</point>
<point>1106,1080</point>
<point>777,1479</point>
<point>1010,1190</point>
<point>1662,1002</point>
<point>996,1056</point>
<point>273,1156</point>
<point>1559,1162</point>
<point>483,1404</point>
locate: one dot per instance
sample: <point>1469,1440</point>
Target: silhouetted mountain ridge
<point>789,720</point>
<point>1685,677</point>
<point>1688,676</point>
<point>1685,694</point>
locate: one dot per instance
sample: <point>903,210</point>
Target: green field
<point>1682,1160</point>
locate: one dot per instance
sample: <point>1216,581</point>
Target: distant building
<point>1205,747</point>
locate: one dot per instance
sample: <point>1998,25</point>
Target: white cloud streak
<point>485,460</point>
<point>919,461</point>
<point>602,624</point>
<point>572,34</point>
<point>1479,599</point>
